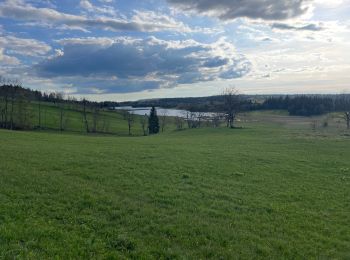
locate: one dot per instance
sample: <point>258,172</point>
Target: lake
<point>165,111</point>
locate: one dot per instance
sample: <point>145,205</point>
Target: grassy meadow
<point>109,122</point>
<point>274,189</point>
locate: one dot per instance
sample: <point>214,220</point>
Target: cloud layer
<point>145,22</point>
<point>21,46</point>
<point>145,63</point>
<point>254,9</point>
<point>110,46</point>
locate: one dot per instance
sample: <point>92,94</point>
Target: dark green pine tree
<point>153,122</point>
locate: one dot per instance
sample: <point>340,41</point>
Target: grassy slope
<point>73,119</point>
<point>262,191</point>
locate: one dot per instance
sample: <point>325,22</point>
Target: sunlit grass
<point>263,191</point>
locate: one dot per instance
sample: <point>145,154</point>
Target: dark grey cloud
<point>143,64</point>
<point>254,9</point>
<point>267,39</point>
<point>308,27</point>
<point>216,62</point>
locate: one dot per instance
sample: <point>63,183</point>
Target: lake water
<point>164,111</point>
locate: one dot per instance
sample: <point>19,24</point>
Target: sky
<point>121,50</point>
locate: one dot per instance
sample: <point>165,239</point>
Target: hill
<point>274,189</point>
<point>304,105</point>
<point>25,109</point>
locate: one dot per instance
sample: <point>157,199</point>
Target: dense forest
<point>302,105</point>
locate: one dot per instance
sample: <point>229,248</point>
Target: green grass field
<point>274,189</point>
<point>109,121</point>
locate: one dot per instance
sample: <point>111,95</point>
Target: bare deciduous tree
<point>8,93</point>
<point>5,93</point>
<point>39,110</point>
<point>347,119</point>
<point>130,119</point>
<point>124,113</point>
<point>105,124</point>
<point>216,119</point>
<point>231,99</point>
<point>86,123</point>
<point>61,109</point>
<point>191,120</point>
<point>179,123</point>
<point>95,118</point>
<point>143,122</point>
<point>13,96</point>
<point>23,114</point>
<point>163,120</point>
<point>200,118</point>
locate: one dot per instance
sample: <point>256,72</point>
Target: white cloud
<point>88,6</point>
<point>7,60</point>
<point>329,3</point>
<point>106,1</point>
<point>23,46</point>
<point>20,11</point>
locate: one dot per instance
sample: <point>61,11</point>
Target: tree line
<point>304,105</point>
<point>24,109</point>
<point>192,104</point>
<point>230,103</point>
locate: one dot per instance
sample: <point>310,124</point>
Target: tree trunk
<point>39,121</point>
<point>95,120</point>
<point>61,118</point>
<point>12,107</point>
<point>6,109</point>
<point>85,117</point>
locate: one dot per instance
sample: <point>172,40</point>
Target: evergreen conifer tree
<point>153,122</point>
